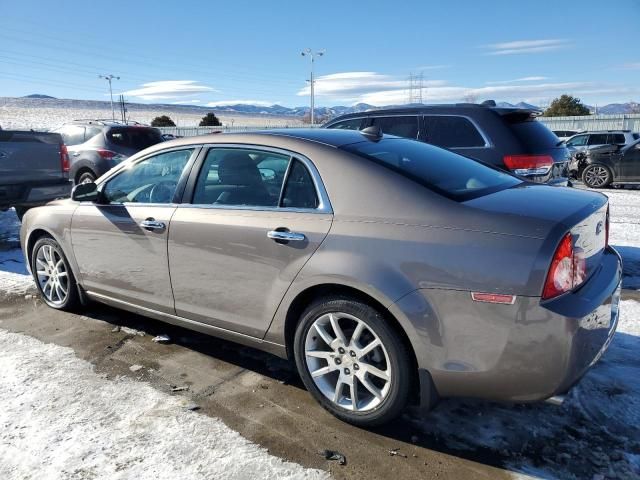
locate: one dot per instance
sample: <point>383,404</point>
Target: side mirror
<point>85,192</point>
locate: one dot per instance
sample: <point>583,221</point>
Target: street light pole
<point>309,53</point>
<point>109,78</point>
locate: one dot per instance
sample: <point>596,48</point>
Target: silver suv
<point>588,140</point>
<point>96,146</point>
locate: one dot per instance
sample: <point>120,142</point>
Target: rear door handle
<point>286,236</point>
<point>152,224</point>
<point>75,154</point>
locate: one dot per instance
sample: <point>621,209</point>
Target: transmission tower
<point>416,87</point>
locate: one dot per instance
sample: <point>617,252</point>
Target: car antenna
<point>373,132</point>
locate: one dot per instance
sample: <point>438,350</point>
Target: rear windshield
<point>134,137</point>
<point>452,175</point>
<point>533,135</point>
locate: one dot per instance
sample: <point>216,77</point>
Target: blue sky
<point>211,53</point>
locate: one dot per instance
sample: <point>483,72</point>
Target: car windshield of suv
<point>134,137</point>
<point>452,175</point>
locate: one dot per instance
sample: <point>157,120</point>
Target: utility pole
<point>310,53</point>
<point>109,78</point>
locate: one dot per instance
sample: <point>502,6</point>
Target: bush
<point>162,121</point>
<point>566,106</point>
<point>210,120</point>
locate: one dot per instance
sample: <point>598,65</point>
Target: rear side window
<point>134,137</point>
<point>618,138</point>
<point>401,126</point>
<point>578,141</point>
<point>447,173</point>
<point>91,132</point>
<point>352,124</point>
<point>452,132</point>
<point>598,139</point>
<point>299,191</point>
<point>72,135</point>
<point>532,134</point>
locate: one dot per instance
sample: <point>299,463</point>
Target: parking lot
<point>124,400</point>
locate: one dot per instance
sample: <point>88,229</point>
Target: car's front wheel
<point>53,275</point>
<point>597,176</point>
<point>352,361</point>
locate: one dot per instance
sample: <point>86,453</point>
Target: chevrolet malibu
<point>390,271</point>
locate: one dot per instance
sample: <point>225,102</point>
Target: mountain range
<point>282,111</point>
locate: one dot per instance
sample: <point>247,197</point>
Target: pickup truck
<point>34,169</point>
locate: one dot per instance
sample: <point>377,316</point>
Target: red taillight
<point>567,270</point>
<point>64,158</point>
<point>528,164</point>
<point>108,154</point>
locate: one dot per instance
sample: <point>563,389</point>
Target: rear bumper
<point>528,351</point>
<point>33,194</point>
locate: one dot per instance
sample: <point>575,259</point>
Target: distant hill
<point>38,95</point>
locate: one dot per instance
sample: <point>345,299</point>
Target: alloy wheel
<point>52,274</point>
<point>348,362</point>
<point>596,176</point>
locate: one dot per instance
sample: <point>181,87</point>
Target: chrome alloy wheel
<point>348,362</point>
<point>52,275</point>
<point>596,176</point>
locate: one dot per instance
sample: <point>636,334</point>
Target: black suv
<point>96,146</point>
<point>509,138</point>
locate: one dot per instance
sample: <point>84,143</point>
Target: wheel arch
<point>323,290</point>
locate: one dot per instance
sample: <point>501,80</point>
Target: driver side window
<point>153,180</point>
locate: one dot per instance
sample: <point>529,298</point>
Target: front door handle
<point>75,154</point>
<point>152,224</point>
<point>286,236</point>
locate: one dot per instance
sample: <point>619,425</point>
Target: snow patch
<point>61,419</point>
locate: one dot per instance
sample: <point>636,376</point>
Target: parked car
<point>96,146</point>
<point>564,134</point>
<point>460,280</point>
<point>509,138</point>
<point>588,140</point>
<point>608,164</point>
<point>34,169</point>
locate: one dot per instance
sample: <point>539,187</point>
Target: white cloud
<point>631,66</point>
<point>182,102</point>
<point>519,80</point>
<point>168,89</point>
<point>379,89</point>
<point>257,103</point>
<point>350,85</point>
<point>526,46</point>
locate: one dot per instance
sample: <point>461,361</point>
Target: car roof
<point>457,108</point>
<point>327,137</point>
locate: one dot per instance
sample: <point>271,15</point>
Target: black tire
<point>72,300</point>
<point>86,177</point>
<point>597,176</point>
<point>400,365</point>
<point>20,211</point>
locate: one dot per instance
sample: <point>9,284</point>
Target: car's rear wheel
<point>86,177</point>
<point>597,176</point>
<point>53,275</point>
<point>352,361</point>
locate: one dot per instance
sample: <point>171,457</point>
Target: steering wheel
<point>162,192</point>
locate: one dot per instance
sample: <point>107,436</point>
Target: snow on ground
<point>13,117</point>
<point>14,278</point>
<point>624,213</point>
<point>60,419</point>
